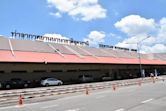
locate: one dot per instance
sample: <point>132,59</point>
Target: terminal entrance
<point>71,73</point>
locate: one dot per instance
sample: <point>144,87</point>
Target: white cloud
<point>57,14</point>
<point>56,36</point>
<point>85,10</point>
<point>114,36</point>
<point>157,48</point>
<point>95,37</point>
<point>138,28</point>
<point>62,5</point>
<point>134,25</point>
<point>162,31</point>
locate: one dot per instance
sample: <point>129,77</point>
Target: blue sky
<point>112,22</point>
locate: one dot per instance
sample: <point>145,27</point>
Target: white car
<point>51,82</point>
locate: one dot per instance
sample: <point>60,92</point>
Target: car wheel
<point>25,85</point>
<point>7,86</point>
<point>47,84</point>
<point>59,84</point>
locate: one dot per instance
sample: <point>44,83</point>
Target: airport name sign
<point>116,47</point>
<point>47,39</point>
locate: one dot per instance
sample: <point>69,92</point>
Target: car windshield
<point>43,78</point>
<point>52,79</point>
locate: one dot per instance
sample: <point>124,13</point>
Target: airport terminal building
<point>31,57</point>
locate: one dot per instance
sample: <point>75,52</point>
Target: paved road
<point>148,97</point>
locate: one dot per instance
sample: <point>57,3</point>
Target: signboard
<point>105,46</point>
<point>47,39</point>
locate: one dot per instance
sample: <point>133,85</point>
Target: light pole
<point>139,54</point>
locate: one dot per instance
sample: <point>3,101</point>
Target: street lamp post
<point>139,58</point>
<point>139,54</point>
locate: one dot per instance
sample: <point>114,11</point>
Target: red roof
<point>36,57</point>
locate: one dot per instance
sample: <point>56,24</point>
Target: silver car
<point>51,82</point>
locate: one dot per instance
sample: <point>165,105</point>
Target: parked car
<point>86,78</point>
<point>15,83</point>
<point>37,82</point>
<point>51,82</point>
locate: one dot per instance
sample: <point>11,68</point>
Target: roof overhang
<point>37,57</point>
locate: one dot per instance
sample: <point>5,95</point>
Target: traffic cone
<point>20,101</point>
<point>86,91</point>
<point>114,87</point>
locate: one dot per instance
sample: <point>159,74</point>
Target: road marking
<point>24,105</point>
<point>3,99</point>
<point>51,106</point>
<point>148,100</point>
<point>32,104</point>
<point>77,109</point>
<point>121,109</point>
<point>98,97</point>
<point>18,106</point>
<point>8,107</point>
